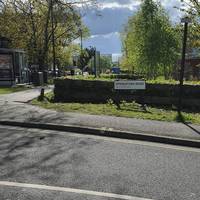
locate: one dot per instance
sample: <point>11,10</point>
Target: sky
<point>106,22</point>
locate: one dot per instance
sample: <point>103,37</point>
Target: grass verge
<point>107,77</point>
<point>132,110</point>
<point>8,90</point>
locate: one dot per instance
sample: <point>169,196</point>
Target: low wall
<point>7,83</point>
<point>68,90</point>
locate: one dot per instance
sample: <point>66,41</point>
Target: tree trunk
<point>43,64</point>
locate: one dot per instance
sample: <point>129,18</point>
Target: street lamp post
<point>81,59</point>
<point>95,66</point>
<point>186,21</point>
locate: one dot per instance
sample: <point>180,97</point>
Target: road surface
<point>41,164</point>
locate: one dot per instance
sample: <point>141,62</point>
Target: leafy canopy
<point>150,42</point>
<point>29,25</point>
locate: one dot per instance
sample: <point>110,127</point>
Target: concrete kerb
<point>105,132</point>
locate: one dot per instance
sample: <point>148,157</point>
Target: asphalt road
<point>64,166</point>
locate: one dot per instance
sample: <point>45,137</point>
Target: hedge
<point>97,91</point>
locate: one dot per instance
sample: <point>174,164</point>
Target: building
<point>192,69</point>
<point>13,64</point>
<point>109,56</point>
<point>192,65</point>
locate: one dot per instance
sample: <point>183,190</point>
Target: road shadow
<point>181,118</point>
<point>36,153</point>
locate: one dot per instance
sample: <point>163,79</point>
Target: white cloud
<point>114,14</point>
<point>114,34</point>
<point>105,43</point>
<point>134,4</point>
<point>106,36</point>
<point>131,6</point>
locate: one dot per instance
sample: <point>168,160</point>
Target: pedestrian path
<point>13,108</point>
<point>24,96</point>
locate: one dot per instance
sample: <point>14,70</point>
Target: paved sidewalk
<point>11,109</point>
<point>24,96</point>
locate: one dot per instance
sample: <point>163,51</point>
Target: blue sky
<point>105,29</point>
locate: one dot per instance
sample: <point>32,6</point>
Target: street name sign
<point>129,85</point>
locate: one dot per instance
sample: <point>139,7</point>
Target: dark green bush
<point>97,91</point>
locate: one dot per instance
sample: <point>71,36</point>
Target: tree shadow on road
<point>181,118</point>
<point>41,155</point>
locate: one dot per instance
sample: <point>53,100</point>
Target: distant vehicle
<point>115,70</point>
<point>51,72</point>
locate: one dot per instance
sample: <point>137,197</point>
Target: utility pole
<point>95,66</point>
<point>53,37</point>
<point>81,59</point>
<point>186,21</point>
<point>100,68</point>
<point>81,33</point>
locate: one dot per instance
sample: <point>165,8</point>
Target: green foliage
<point>150,42</point>
<point>132,109</point>
<point>191,7</point>
<point>112,77</point>
<point>194,33</point>
<point>105,63</point>
<point>29,24</point>
<point>8,90</point>
<point>85,56</point>
<point>64,55</point>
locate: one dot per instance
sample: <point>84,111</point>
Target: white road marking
<point>69,190</point>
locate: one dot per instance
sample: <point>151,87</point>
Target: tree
<point>150,42</point>
<point>105,63</point>
<point>192,9</point>
<point>64,56</point>
<point>28,23</point>
<point>85,57</point>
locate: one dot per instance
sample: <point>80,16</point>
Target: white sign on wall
<point>6,61</point>
<point>130,85</point>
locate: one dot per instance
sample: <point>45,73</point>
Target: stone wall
<point>68,90</point>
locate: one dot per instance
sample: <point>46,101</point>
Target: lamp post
<point>81,44</point>
<point>186,21</point>
<point>95,62</point>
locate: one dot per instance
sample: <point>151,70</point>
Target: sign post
<point>122,85</point>
<point>130,85</point>
<point>186,21</point>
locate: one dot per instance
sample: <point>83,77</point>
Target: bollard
<point>41,97</point>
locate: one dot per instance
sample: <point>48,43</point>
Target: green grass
<point>8,90</point>
<point>161,80</point>
<point>107,77</point>
<point>132,110</point>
